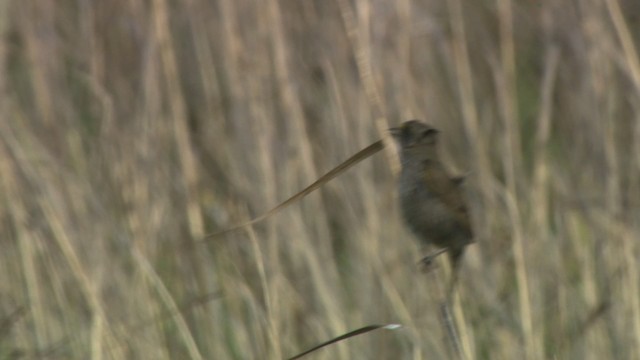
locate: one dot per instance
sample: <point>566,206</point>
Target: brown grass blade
<point>362,330</point>
<point>353,160</point>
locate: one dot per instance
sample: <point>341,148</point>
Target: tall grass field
<point>131,129</point>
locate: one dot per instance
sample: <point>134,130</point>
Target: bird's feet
<point>427,263</point>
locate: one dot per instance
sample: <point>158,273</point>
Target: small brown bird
<point>432,202</point>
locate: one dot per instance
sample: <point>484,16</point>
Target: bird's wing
<point>449,191</point>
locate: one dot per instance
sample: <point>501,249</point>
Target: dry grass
<point>131,128</point>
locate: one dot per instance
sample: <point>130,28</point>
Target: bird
<point>432,202</point>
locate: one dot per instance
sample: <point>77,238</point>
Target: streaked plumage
<point>432,202</point>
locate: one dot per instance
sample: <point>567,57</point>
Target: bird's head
<point>416,140</point>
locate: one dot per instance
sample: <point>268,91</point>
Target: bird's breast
<point>428,217</point>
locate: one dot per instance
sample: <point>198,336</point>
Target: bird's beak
<point>395,132</point>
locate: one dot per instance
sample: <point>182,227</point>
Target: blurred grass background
<point>129,129</point>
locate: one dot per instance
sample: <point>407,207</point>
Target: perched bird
<point>431,201</point>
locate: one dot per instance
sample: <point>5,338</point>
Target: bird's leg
<point>455,255</point>
<point>427,261</point>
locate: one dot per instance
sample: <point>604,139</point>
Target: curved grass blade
<point>353,333</point>
<point>361,155</point>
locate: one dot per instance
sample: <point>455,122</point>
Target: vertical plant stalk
<point>540,192</point>
<point>290,100</point>
<point>626,40</point>
<point>189,167</point>
<point>512,162</point>
<point>167,298</point>
<point>178,114</point>
<point>361,45</point>
<point>100,330</point>
<point>450,327</point>
<point>464,77</point>
<point>38,18</point>
<point>25,239</point>
<point>272,318</point>
<point>630,246</point>
<point>101,336</point>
